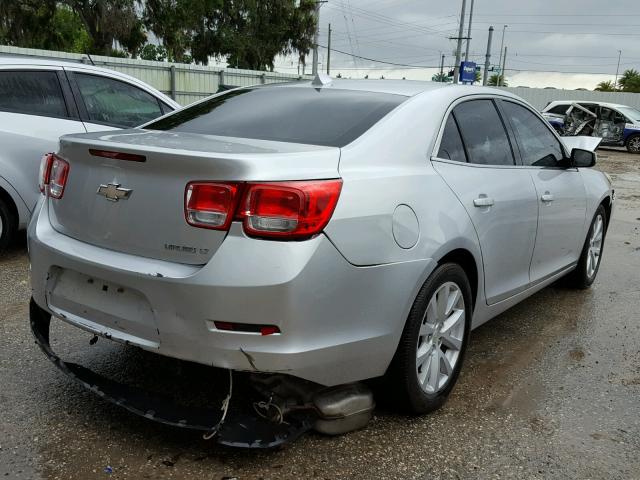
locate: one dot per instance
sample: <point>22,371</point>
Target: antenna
<point>90,59</point>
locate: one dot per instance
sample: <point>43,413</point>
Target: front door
<point>560,192</point>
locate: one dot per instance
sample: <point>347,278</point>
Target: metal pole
<point>466,53</point>
<point>172,81</point>
<point>456,68</point>
<point>316,34</point>
<point>615,84</point>
<point>502,46</point>
<point>329,52</point>
<point>487,59</point>
<point>504,65</point>
<point>442,65</point>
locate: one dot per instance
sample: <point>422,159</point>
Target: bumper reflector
<point>247,328</point>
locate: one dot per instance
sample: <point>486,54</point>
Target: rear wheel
<point>431,350</point>
<point>589,262</point>
<point>633,144</point>
<point>8,225</point>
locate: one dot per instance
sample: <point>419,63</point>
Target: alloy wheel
<point>634,144</point>
<point>440,338</point>
<point>595,246</point>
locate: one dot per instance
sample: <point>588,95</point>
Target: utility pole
<point>329,51</point>
<point>502,46</point>
<point>316,34</point>
<point>442,65</point>
<point>615,84</point>
<point>487,58</point>
<point>504,65</point>
<point>456,68</point>
<point>466,53</point>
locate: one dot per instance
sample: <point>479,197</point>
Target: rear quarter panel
<point>387,167</point>
<point>24,139</point>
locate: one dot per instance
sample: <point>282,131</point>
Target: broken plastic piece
<point>240,429</point>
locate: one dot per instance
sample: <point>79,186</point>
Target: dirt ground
<point>550,389</point>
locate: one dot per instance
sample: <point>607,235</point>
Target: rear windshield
<point>326,116</point>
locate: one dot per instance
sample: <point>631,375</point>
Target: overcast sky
<point>561,43</point>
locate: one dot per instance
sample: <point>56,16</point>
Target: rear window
<point>327,116</point>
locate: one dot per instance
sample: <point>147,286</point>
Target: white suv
<point>40,100</point>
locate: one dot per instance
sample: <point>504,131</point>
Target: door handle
<point>483,201</point>
<point>546,197</point>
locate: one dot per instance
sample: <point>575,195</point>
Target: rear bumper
<point>339,323</point>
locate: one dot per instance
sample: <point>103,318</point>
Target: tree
<point>495,78</point>
<point>107,21</point>
<point>153,52</point>
<point>630,81</point>
<point>606,86</point>
<point>175,22</point>
<point>441,77</point>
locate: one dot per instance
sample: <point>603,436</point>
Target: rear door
<point>36,108</point>
<point>476,159</point>
<point>560,192</point>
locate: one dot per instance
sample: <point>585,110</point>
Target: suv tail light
<point>284,210</point>
<point>54,172</point>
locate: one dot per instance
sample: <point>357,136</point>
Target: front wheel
<point>589,262</point>
<point>431,350</point>
<point>633,144</point>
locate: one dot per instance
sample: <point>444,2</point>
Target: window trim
<point>64,90</point>
<point>545,123</point>
<point>449,111</point>
<point>82,107</point>
<point>436,146</point>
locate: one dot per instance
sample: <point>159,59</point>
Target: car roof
<point>407,88</point>
<point>10,61</point>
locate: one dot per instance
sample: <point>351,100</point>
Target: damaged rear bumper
<point>240,429</point>
<point>338,323</point>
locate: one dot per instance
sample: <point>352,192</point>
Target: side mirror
<point>582,158</point>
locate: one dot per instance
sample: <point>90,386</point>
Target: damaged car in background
<point>306,238</point>
<point>617,125</point>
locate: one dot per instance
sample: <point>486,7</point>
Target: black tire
<point>580,277</point>
<point>8,225</point>
<point>402,376</point>
<point>633,144</point>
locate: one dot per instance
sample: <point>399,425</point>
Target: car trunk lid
<point>135,204</point>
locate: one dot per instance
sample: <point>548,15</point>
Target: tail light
<point>281,210</point>
<point>210,205</point>
<point>54,172</point>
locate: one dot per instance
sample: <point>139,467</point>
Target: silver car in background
<point>40,100</point>
<point>331,231</point>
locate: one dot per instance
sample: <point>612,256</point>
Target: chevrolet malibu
<point>332,231</point>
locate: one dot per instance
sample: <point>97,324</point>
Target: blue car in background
<point>617,125</point>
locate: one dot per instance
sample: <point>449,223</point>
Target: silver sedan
<point>333,231</point>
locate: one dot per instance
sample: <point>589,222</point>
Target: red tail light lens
<point>58,177</point>
<point>280,210</point>
<point>289,210</point>
<point>54,172</point>
<point>211,205</point>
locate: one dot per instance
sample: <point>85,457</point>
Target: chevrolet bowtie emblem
<point>114,192</point>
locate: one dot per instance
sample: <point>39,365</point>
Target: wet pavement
<point>549,389</point>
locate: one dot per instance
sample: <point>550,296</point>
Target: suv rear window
<point>34,92</point>
<point>327,116</point>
